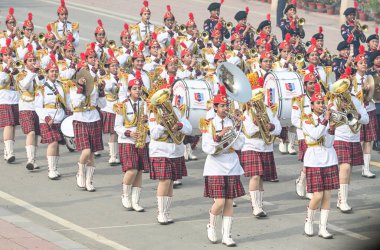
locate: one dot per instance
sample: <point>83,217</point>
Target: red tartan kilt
<point>349,152</point>
<point>108,122</point>
<point>29,122</point>
<point>302,146</point>
<point>162,168</point>
<point>51,134</point>
<point>180,166</point>
<point>88,135</point>
<point>284,134</point>
<point>132,157</point>
<point>321,179</point>
<point>9,115</point>
<point>368,132</point>
<point>223,187</point>
<point>258,163</point>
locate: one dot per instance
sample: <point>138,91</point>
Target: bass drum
<point>280,87</point>
<point>67,129</point>
<point>194,94</point>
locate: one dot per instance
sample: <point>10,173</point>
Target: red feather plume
<point>268,47</point>
<point>146,3</point>
<point>168,8</point>
<point>311,68</point>
<point>320,29</point>
<point>260,81</point>
<point>268,16</point>
<point>221,1</point>
<point>11,11</point>
<point>287,37</point>
<point>30,16</point>
<point>294,2</point>
<point>52,57</point>
<point>100,22</point>
<point>191,16</point>
<point>92,46</point>
<point>154,36</point>
<point>126,27</point>
<point>141,46</point>
<point>223,48</point>
<point>82,56</point>
<point>246,10</point>
<point>222,90</point>
<point>377,30</point>
<point>138,74</point>
<point>8,42</point>
<point>63,3</point>
<point>110,52</point>
<point>48,27</point>
<point>30,48</point>
<point>183,45</point>
<point>356,4</point>
<point>361,50</point>
<point>70,37</point>
<point>317,88</point>
<point>172,42</point>
<point>313,41</point>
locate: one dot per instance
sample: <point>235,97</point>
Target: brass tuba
<point>341,96</point>
<point>258,111</point>
<point>165,114</point>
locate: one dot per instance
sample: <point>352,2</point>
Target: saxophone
<point>141,127</point>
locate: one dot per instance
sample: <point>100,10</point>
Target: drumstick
<point>56,111</point>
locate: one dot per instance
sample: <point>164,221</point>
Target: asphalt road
<point>98,220</point>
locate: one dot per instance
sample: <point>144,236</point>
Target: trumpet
<point>204,64</point>
<point>204,35</point>
<point>349,118</point>
<point>20,33</point>
<point>110,44</point>
<point>299,58</point>
<point>362,28</point>
<point>227,25</point>
<point>301,21</point>
<point>17,64</point>
<point>181,28</point>
<point>41,35</point>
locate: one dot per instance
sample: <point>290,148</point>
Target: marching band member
<point>373,44</point>
<point>29,37</point>
<point>216,41</point>
<point>368,132</point>
<point>51,102</point>
<point>155,58</point>
<point>142,32</point>
<point>169,31</point>
<point>321,164</point>
<point>343,60</point>
<point>163,159</point>
<point>51,46</point>
<point>126,50</point>
<point>134,157</point>
<point>111,89</point>
<point>12,31</point>
<point>210,24</point>
<point>101,44</point>
<point>87,128</point>
<point>302,105</point>
<point>9,98</point>
<point>290,22</point>
<point>265,28</point>
<point>92,62</point>
<point>323,53</point>
<point>243,29</point>
<point>351,30</point>
<point>67,64</point>
<point>257,157</point>
<point>28,80</point>
<point>193,42</point>
<point>62,27</point>
<point>347,145</point>
<point>296,46</point>
<point>222,172</point>
<point>286,61</point>
<point>238,53</point>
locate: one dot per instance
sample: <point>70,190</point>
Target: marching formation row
<point>164,87</point>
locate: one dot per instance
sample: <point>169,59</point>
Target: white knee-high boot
<point>323,225</point>
<point>342,199</point>
<point>81,175</point>
<point>52,166</point>
<point>211,228</point>
<point>126,198</point>
<point>226,232</point>
<point>365,169</point>
<point>9,153</point>
<point>309,222</point>
<point>89,178</point>
<point>136,192</point>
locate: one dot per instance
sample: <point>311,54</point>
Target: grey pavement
<point>98,220</point>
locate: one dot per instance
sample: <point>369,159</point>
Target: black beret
<point>372,37</point>
<point>374,55</point>
<point>349,11</point>
<point>288,7</point>
<point>213,6</point>
<point>264,24</point>
<point>318,36</point>
<point>240,15</point>
<point>343,45</point>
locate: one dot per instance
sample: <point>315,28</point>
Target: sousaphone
<point>89,80</point>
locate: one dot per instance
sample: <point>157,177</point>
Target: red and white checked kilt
<point>51,134</point>
<point>302,146</point>
<point>88,135</point>
<point>162,168</point>
<point>180,166</point>
<point>132,157</point>
<point>349,152</point>
<point>223,187</point>
<point>284,134</point>
<point>9,115</point>
<point>108,122</point>
<point>321,179</point>
<point>258,163</point>
<point>29,122</point>
<point>369,132</point>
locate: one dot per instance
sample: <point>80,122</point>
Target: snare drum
<point>194,94</point>
<point>67,129</point>
<point>280,87</point>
